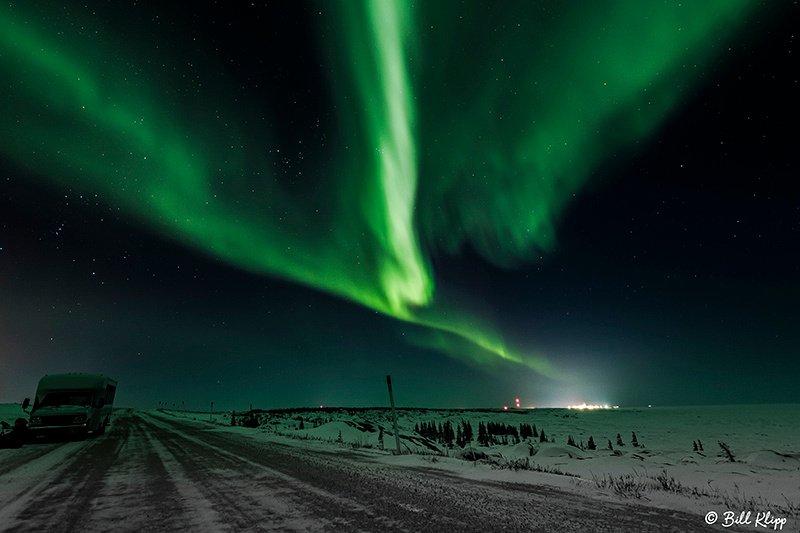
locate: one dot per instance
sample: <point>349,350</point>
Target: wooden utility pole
<point>394,413</point>
<point>211,414</point>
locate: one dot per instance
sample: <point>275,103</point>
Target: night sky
<point>280,203</point>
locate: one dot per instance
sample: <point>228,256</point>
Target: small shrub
<point>249,420</point>
<point>361,442</point>
<point>517,464</point>
<point>669,484</point>
<point>727,451</point>
<point>526,464</point>
<point>625,485</point>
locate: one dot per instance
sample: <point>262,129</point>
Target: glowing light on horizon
<point>584,405</point>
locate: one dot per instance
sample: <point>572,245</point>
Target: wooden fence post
<point>394,413</point>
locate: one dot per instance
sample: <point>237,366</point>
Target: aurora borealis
<point>364,156</point>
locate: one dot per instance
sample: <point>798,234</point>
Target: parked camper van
<point>75,403</point>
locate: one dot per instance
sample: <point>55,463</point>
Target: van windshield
<point>67,398</point>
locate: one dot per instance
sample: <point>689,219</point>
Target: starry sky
<point>279,203</point>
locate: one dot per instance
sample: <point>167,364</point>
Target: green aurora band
<point>457,126</point>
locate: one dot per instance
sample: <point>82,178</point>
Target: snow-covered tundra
<point>334,470</point>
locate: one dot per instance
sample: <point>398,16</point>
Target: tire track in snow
<point>137,493</point>
<point>232,492</point>
<point>65,490</point>
<point>19,485</point>
<point>331,503</point>
<point>13,458</point>
<point>199,510</point>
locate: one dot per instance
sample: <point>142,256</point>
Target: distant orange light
<point>320,407</point>
<point>505,407</point>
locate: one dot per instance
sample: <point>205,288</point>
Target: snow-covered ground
<point>9,412</point>
<point>155,472</point>
<point>664,469</point>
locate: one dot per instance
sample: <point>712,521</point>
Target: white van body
<point>75,403</point>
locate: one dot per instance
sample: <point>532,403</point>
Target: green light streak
<point>527,109</point>
<point>376,41</point>
<point>460,125</point>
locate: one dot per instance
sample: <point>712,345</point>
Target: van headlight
<point>36,420</point>
<point>80,418</point>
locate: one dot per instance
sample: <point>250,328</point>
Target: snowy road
<point>149,473</point>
